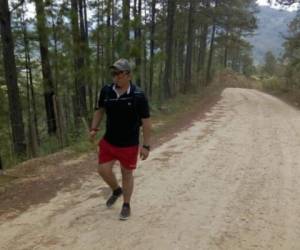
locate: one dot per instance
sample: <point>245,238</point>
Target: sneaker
<point>125,213</point>
<point>112,199</point>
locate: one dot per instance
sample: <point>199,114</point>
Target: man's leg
<point>127,183</point>
<point>105,171</point>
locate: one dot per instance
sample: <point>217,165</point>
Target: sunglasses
<point>116,73</point>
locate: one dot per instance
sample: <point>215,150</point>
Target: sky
<point>276,6</point>
<point>31,9</point>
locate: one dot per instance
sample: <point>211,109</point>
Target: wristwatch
<point>147,147</point>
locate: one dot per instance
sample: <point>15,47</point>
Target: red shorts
<point>127,156</point>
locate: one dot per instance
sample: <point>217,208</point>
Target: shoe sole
<point>110,206</point>
<point>124,218</point>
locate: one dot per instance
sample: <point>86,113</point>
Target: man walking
<point>126,109</point>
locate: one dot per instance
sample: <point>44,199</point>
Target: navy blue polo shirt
<point>123,114</point>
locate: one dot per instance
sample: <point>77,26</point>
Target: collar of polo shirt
<point>118,95</point>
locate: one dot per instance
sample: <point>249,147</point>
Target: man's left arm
<point>145,149</point>
<point>144,114</point>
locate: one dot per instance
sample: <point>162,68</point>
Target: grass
<point>6,179</point>
<point>277,87</point>
<point>174,109</point>
<point>164,116</point>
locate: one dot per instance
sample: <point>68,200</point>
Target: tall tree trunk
<point>226,50</point>
<point>144,68</point>
<point>55,63</point>
<point>97,67</point>
<point>86,26</point>
<point>236,60</point>
<point>144,56</point>
<point>137,12</point>
<point>225,56</point>
<point>152,45</point>
<point>33,102</point>
<point>203,44</point>
<point>202,48</point>
<point>79,100</point>
<point>108,46</point>
<point>46,68</point>
<point>10,71</point>
<point>112,30</point>
<point>175,77</point>
<point>211,50</point>
<point>180,59</point>
<point>169,48</point>
<point>160,84</point>
<point>1,166</point>
<point>76,48</point>
<point>190,43</point>
<point>126,24</point>
<point>84,75</point>
<point>33,135</point>
<point>89,79</point>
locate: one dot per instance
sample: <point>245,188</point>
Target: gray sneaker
<point>125,213</point>
<point>112,199</point>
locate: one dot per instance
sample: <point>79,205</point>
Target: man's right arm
<point>97,118</point>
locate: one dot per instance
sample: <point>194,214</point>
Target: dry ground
<point>229,181</point>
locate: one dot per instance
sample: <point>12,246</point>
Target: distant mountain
<point>272,23</point>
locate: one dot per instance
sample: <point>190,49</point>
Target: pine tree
<point>169,49</point>
<point>46,67</point>
<point>11,79</point>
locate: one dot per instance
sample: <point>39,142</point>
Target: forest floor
<point>225,176</point>
<point>40,179</point>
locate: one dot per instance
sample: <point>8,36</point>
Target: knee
<point>102,171</point>
<point>127,173</point>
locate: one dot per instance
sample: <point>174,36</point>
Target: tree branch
<point>17,6</point>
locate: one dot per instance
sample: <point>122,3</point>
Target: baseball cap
<point>121,64</point>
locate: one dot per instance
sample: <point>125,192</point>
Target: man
<point>126,109</point>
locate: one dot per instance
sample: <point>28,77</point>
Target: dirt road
<point>231,181</point>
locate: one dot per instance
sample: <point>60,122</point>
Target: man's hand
<point>92,135</point>
<point>144,153</point>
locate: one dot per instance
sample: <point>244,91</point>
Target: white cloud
<point>275,5</point>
